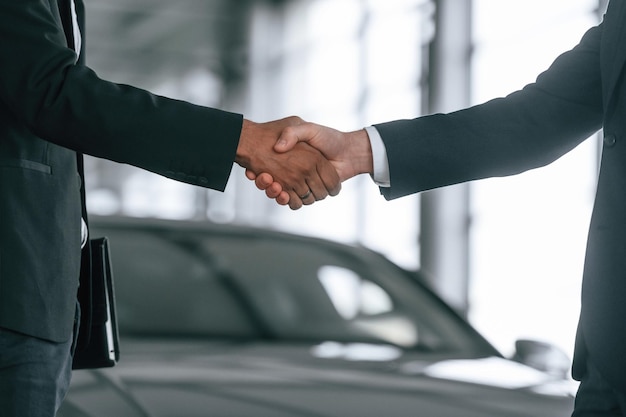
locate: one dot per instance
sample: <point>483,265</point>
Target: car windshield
<point>172,283</point>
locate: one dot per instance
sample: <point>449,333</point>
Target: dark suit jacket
<point>52,107</point>
<point>583,90</point>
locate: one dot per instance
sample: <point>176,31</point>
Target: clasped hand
<point>297,162</point>
<point>298,177</point>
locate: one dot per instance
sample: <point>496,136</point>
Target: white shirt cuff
<point>379,158</point>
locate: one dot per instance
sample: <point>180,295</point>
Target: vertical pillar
<point>444,214</point>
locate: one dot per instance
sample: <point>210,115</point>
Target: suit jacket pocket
<point>25,164</point>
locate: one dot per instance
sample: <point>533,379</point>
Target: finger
<point>316,191</point>
<point>294,200</point>
<point>274,190</point>
<point>264,180</point>
<point>307,198</point>
<point>283,198</point>
<point>250,175</point>
<point>329,177</point>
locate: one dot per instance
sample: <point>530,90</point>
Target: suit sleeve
<point>69,105</point>
<point>527,129</point>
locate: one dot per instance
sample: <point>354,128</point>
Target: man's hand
<point>349,152</point>
<point>299,177</point>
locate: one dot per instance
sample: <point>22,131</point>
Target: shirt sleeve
<point>379,156</point>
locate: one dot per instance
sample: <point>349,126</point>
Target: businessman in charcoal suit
<point>583,91</point>
<point>52,110</point>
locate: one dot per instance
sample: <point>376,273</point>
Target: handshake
<point>297,163</point>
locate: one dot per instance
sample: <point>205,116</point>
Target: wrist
<point>242,154</point>
<point>361,155</point>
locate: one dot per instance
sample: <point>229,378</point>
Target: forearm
<point>176,139</point>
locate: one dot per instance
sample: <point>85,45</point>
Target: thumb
<point>291,135</point>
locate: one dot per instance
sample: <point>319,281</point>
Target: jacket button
<point>609,140</point>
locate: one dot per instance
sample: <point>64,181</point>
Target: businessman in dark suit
<point>53,109</point>
<point>583,91</point>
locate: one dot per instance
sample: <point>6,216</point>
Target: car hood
<point>186,379</point>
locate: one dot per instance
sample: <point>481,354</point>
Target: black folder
<point>97,345</point>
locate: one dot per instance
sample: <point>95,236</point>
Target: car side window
<point>366,306</point>
<point>162,288</point>
<point>351,295</point>
<point>307,292</point>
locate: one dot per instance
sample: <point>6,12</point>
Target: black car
<point>224,320</point>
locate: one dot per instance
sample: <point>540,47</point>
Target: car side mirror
<point>542,356</point>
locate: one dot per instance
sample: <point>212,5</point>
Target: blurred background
<point>507,253</point>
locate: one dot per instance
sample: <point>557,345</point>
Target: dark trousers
<point>596,398</point>
<point>34,374</point>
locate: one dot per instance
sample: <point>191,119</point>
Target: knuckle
<point>289,131</point>
<point>294,119</point>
